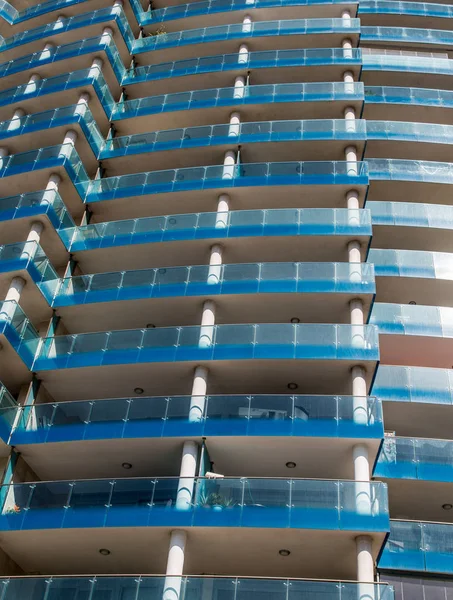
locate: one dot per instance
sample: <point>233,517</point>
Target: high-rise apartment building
<point>226,280</point>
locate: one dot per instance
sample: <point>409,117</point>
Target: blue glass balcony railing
<point>64,155</point>
<point>18,330</point>
<point>409,95</point>
<point>410,170</point>
<point>412,214</point>
<point>208,7</point>
<point>31,204</point>
<point>65,52</point>
<point>406,319</point>
<point>242,223</point>
<point>104,15</point>
<point>214,135</point>
<point>411,458</point>
<point>244,175</point>
<point>409,132</point>
<point>255,60</point>
<point>424,9</point>
<point>410,64</point>
<point>279,341</point>
<point>238,31</point>
<point>409,35</point>
<point>275,503</point>
<point>192,588</point>
<point>175,416</point>
<point>59,117</point>
<point>252,94</point>
<point>67,81</point>
<point>343,278</point>
<point>419,546</point>
<point>13,16</point>
<point>412,263</point>
<point>29,256</point>
<point>414,384</point>
<point>8,413</point>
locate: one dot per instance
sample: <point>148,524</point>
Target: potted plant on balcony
<point>215,501</point>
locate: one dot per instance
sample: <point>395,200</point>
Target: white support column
<point>32,84</point>
<point>207,324</point>
<point>13,296</point>
<point>187,474</point>
<point>3,155</point>
<point>107,34</point>
<point>215,264</point>
<point>96,67</point>
<point>350,153</point>
<point>346,16</point>
<point>33,239</point>
<point>51,189</point>
<point>349,116</point>
<point>365,567</point>
<point>82,104</point>
<point>45,54</point>
<point>117,7</point>
<point>348,78</point>
<point>68,143</point>
<point>357,322</point>
<point>243,57</point>
<point>16,121</point>
<point>353,206</point>
<point>198,397</point>
<point>175,565</point>
<point>229,163</point>
<point>58,23</point>
<point>223,207</point>
<point>362,479</point>
<point>235,125</point>
<point>239,87</point>
<point>247,24</point>
<point>359,393</point>
<point>347,48</point>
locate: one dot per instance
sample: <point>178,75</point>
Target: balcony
<point>415,37</point>
<point>163,240</point>
<point>414,179</point>
<point>8,414</point>
<point>181,16</point>
<point>413,71</point>
<point>418,546</point>
<point>172,295</point>
<point>192,588</point>
<point>417,400</point>
<point>289,350</point>
<point>269,67</point>
<point>248,509</point>
<point>410,14</point>
<point>188,146</point>
<point>418,335</point>
<point>148,432</point>
<point>413,276</point>
<point>308,33</point>
<point>426,105</point>
<point>204,107</point>
<point>164,192</point>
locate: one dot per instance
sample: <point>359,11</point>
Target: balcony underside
<point>432,239</point>
<point>416,113</point>
<point>417,419</point>
<point>404,78</point>
<point>415,191</point>
<point>32,301</point>
<point>426,291</point>
<point>241,551</point>
<point>413,499</point>
<point>409,149</point>
<point>421,351</point>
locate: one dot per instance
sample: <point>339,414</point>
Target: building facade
<point>226,286</point>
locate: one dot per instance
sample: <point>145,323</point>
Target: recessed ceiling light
<point>447,506</point>
<point>295,320</point>
<point>292,386</point>
<point>104,552</point>
<point>291,465</point>
<point>412,302</point>
<point>150,326</point>
<point>284,552</point>
<point>126,465</point>
<point>138,390</point>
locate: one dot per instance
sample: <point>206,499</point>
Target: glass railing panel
<point>413,384</point>
<point>413,320</point>
<point>19,331</point>
<point>404,547</point>
<point>408,95</point>
<point>417,64</point>
<point>406,34</point>
<point>411,214</point>
<point>416,132</point>
<point>412,263</point>
<point>407,8</point>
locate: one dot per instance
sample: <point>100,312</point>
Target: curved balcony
<point>416,37</point>
<point>163,240</point>
<point>69,28</point>
<point>401,273</point>
<point>181,16</point>
<point>203,107</point>
<point>420,226</point>
<point>418,546</point>
<point>426,105</point>
<point>422,335</point>
<point>286,289</point>
<point>269,66</point>
<point>62,90</point>
<point>253,510</point>
<point>285,35</point>
<point>62,159</point>
<point>239,430</point>
<point>410,14</point>
<point>8,414</point>
<point>192,588</point>
<point>261,136</point>
<point>65,58</point>
<point>414,179</point>
<point>161,192</point>
<point>44,128</point>
<point>414,71</point>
